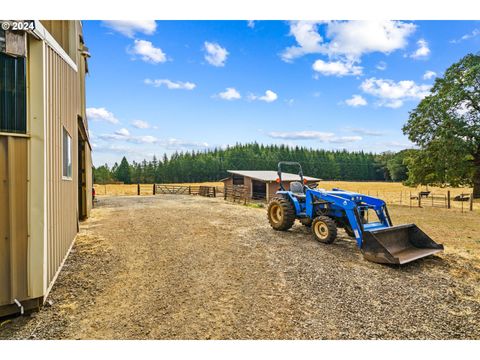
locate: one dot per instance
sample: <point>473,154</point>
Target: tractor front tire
<point>281,213</point>
<point>324,229</point>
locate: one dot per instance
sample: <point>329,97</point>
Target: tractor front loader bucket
<point>398,244</point>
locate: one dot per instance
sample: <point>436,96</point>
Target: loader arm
<point>347,203</point>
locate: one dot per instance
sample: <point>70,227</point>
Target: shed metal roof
<point>269,175</point>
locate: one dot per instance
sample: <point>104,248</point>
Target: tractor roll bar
<point>290,163</point>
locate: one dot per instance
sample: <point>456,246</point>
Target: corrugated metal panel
<point>62,108</point>
<point>267,175</point>
<point>13,219</point>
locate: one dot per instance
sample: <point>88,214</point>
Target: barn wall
<point>62,107</point>
<point>13,218</point>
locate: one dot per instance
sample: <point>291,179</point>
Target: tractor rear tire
<point>324,229</point>
<point>281,213</point>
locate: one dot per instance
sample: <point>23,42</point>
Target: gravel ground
<point>180,267</point>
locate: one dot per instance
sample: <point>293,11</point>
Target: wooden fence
<point>236,193</point>
<point>208,191</point>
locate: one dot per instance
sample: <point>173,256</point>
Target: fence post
<point>154,190</point>
<point>214,191</point>
<point>471,201</point>
<point>419,200</point>
<point>189,190</point>
<point>448,200</point>
<point>224,192</point>
<point>138,189</point>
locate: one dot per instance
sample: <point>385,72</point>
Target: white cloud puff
<point>423,51</point>
<point>350,39</point>
<point>269,96</point>
<point>172,85</point>
<point>429,75</point>
<point>130,27</point>
<point>215,54</point>
<point>148,52</point>
<point>140,124</point>
<point>356,100</point>
<point>336,68</point>
<point>392,94</point>
<point>229,94</point>
<point>101,114</point>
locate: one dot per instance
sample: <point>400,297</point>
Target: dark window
<point>67,155</point>
<point>2,40</point>
<point>13,102</point>
<point>238,180</point>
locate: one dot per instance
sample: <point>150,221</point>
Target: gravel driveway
<point>184,267</point>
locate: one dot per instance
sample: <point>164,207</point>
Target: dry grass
<point>393,193</point>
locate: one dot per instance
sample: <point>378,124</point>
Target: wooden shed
<point>262,184</point>
<point>45,157</point>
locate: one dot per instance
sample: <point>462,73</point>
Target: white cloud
<point>392,94</point>
<point>215,54</point>
<point>307,37</point>
<point>147,139</point>
<point>429,75</point>
<point>269,96</point>
<point>229,94</point>
<point>313,135</point>
<point>382,65</point>
<point>122,132</point>
<point>131,27</point>
<point>173,85</point>
<point>350,39</point>
<point>140,124</point>
<point>345,139</point>
<point>336,68</point>
<point>148,52</point>
<point>124,135</point>
<point>251,24</point>
<point>423,50</point>
<point>365,132</point>
<point>101,114</point>
<point>356,100</point>
<point>355,38</point>
<point>471,35</point>
<point>177,144</point>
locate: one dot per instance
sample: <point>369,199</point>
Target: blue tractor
<point>326,211</point>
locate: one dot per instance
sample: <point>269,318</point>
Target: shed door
<point>259,190</point>
<point>13,219</point>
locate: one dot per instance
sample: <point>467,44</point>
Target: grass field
<point>392,192</point>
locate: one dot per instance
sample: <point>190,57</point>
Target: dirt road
<point>180,267</point>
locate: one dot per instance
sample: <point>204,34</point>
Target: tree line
<point>212,165</point>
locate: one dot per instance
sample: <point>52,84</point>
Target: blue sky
<point>162,86</point>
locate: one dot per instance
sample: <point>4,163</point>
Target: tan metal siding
<point>62,108</point>
<point>13,219</point>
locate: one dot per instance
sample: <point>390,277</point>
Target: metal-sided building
<point>45,156</point>
<point>262,184</point>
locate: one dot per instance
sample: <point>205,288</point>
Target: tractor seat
<point>297,190</point>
